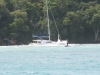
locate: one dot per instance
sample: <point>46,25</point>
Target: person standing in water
<point>66,43</point>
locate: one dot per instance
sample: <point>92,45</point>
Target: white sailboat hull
<point>46,43</point>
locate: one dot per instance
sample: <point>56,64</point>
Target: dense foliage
<point>77,20</point>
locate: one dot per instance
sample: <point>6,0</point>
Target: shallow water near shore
<point>81,59</point>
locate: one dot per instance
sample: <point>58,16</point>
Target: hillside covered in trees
<point>77,20</point>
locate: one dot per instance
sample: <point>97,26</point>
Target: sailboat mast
<point>48,19</point>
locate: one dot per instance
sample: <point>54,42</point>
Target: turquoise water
<point>28,60</point>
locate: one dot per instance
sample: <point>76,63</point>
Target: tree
<point>92,17</point>
<point>74,24</point>
<point>4,19</point>
<point>95,23</point>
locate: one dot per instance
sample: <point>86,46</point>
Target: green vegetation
<point>77,20</point>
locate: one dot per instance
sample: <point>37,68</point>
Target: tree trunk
<point>96,31</point>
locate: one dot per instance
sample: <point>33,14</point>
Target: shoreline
<point>85,42</point>
<point>69,42</point>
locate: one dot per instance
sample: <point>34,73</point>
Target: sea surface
<point>83,59</point>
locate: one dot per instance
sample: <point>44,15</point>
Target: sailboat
<point>42,38</point>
